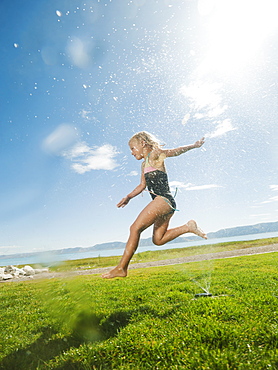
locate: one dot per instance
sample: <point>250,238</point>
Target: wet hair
<point>149,139</point>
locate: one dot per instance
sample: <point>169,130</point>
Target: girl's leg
<point>153,211</point>
<point>162,235</point>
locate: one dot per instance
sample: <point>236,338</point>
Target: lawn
<point>150,320</point>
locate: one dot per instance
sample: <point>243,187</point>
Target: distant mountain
<point>266,227</point>
<point>234,231</point>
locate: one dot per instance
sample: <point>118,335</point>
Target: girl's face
<point>136,148</point>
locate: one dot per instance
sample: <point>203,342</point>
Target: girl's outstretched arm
<point>134,192</point>
<point>182,149</point>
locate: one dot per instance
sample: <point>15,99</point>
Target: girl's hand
<point>123,202</point>
<point>199,143</point>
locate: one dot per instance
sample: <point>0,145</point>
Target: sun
<point>236,31</point>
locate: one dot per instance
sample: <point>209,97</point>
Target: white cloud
<point>79,150</point>
<point>10,249</point>
<point>133,173</point>
<point>274,187</point>
<point>186,119</point>
<point>260,215</point>
<point>221,129</point>
<point>217,111</point>
<point>203,96</point>
<point>205,102</point>
<point>203,187</point>
<point>87,159</point>
<point>177,184</point>
<point>272,199</point>
<point>80,52</point>
<point>61,139</point>
<point>63,142</point>
<point>189,186</point>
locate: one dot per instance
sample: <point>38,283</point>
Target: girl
<point>159,211</point>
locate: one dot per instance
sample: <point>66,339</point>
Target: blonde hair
<point>149,139</point>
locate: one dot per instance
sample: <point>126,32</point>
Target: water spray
<point>206,292</point>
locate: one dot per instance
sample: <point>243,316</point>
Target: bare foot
<point>193,228</point>
<point>116,272</point>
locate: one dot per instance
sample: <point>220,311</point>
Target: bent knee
<point>157,241</point>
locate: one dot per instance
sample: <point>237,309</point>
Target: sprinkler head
<point>203,295</point>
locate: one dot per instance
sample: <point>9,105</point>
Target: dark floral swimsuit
<point>157,184</point>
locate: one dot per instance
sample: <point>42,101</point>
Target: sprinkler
<point>205,290</point>
<point>203,295</point>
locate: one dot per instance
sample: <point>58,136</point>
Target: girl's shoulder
<point>156,153</point>
<point>156,159</point>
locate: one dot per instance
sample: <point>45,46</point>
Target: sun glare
<point>236,30</point>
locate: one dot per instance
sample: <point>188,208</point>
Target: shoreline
<point>174,261</point>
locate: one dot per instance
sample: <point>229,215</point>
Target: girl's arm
<point>183,149</point>
<point>134,192</point>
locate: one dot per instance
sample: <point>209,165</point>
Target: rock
<point>20,271</point>
<point>6,276</point>
<point>9,268</point>
<point>28,270</point>
<point>10,272</point>
<point>16,272</point>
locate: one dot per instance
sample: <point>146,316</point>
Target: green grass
<point>150,320</point>
<point>159,254</point>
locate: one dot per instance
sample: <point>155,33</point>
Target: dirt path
<point>195,258</point>
<point>200,257</point>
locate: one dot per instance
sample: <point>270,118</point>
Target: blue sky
<point>78,78</point>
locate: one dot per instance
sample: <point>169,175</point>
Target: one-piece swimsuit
<point>157,184</point>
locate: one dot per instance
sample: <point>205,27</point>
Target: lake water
<point>50,258</point>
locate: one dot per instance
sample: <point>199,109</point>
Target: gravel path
<point>200,257</point>
<point>196,258</point>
